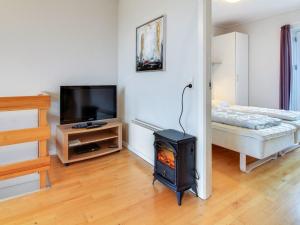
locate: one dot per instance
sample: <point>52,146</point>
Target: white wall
<point>264,58</point>
<point>46,44</point>
<point>56,42</point>
<point>154,97</point>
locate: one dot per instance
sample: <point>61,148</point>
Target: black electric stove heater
<point>175,161</point>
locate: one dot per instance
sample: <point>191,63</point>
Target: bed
<point>264,144</point>
<point>289,117</point>
<point>297,133</point>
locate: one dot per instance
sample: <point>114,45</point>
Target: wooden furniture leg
<point>43,151</point>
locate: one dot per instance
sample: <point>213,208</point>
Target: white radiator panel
<point>141,139</point>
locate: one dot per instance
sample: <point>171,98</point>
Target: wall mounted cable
<point>182,106</point>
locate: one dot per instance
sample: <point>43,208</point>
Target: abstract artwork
<point>150,46</point>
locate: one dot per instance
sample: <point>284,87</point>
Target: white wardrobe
<point>230,69</point>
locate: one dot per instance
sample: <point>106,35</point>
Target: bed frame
<point>248,168</point>
<point>40,134</point>
<point>263,150</point>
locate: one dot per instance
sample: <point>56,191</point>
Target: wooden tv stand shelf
<point>107,137</point>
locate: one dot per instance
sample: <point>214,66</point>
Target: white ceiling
<point>230,14</point>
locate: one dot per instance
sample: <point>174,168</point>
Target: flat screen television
<point>87,103</point>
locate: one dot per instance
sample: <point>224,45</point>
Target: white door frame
<point>204,143</point>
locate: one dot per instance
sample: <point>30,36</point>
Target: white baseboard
<point>138,153</point>
<point>19,180</point>
<point>20,188</point>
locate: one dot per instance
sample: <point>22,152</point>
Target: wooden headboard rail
<point>40,134</point>
<point>24,103</point>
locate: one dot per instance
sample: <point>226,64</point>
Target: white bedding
<point>241,119</point>
<point>289,117</point>
<point>263,134</point>
<point>276,113</point>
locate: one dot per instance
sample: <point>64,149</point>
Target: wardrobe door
<point>242,69</point>
<point>224,70</point>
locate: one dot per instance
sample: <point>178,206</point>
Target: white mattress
<point>256,143</point>
<point>297,125</point>
<point>289,117</point>
<point>276,113</point>
<point>245,120</point>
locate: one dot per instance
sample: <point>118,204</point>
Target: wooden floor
<point>117,190</point>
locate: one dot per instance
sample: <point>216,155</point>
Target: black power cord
<point>195,175</point>
<point>182,106</point>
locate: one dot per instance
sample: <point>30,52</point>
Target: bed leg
<point>248,168</point>
<point>288,150</point>
<point>243,162</point>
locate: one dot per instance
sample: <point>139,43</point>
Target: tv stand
<point>73,144</point>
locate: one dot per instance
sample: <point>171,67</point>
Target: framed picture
<point>150,45</point>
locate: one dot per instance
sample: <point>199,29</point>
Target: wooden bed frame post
<point>41,134</point>
<point>43,151</point>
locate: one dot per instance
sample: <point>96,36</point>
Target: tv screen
<point>87,103</point>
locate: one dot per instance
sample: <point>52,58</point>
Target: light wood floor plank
<point>117,189</point>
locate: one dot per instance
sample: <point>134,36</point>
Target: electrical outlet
<point>191,82</point>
